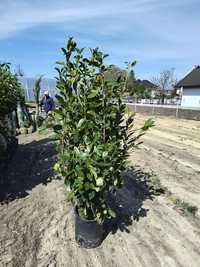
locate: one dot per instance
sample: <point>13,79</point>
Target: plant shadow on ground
<point>127,202</point>
<point>31,165</point>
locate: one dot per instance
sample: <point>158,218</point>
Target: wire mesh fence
<point>46,84</point>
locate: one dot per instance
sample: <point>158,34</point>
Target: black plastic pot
<point>88,233</point>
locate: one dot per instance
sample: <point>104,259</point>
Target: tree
<point>36,91</point>
<point>140,91</point>
<point>130,77</point>
<point>165,81</point>
<point>114,73</point>
<point>133,86</point>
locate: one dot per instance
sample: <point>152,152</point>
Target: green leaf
<point>104,154</point>
<point>57,168</point>
<point>76,150</point>
<point>148,124</point>
<point>60,100</point>
<point>70,196</point>
<point>99,182</point>
<point>87,186</point>
<point>97,189</point>
<point>93,93</point>
<point>57,127</point>
<point>112,213</point>
<point>71,45</point>
<point>64,51</point>
<point>91,195</point>
<point>81,122</point>
<point>130,119</point>
<point>83,155</point>
<point>92,170</point>
<point>60,62</point>
<point>58,112</point>
<point>115,182</point>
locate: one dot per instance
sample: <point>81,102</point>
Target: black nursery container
<point>88,233</point>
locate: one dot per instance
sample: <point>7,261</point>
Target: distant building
<point>189,87</point>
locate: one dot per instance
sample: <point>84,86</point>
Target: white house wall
<point>191,97</point>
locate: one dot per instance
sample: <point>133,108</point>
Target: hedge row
<point>10,95</point>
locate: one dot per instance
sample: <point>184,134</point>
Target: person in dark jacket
<point>47,102</point>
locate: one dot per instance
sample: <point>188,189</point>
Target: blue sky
<point>158,34</point>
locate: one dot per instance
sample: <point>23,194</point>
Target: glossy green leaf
<point>60,99</point>
<point>81,123</point>
<point>93,93</point>
<point>99,182</point>
<point>112,213</point>
<point>57,127</point>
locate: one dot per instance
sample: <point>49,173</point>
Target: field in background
<point>172,151</point>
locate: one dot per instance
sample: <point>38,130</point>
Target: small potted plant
<point>95,136</point>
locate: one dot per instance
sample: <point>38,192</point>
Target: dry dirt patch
<point>36,221</point>
<point>172,151</point>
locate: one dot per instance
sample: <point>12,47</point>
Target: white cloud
<point>145,30</point>
<point>18,15</point>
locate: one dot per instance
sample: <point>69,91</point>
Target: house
<point>189,87</point>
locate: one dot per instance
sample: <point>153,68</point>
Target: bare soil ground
<point>37,223</point>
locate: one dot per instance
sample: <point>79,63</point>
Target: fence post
<point>135,107</point>
<point>176,110</point>
<point>152,113</point>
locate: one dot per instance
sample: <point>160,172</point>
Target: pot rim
<point>84,219</point>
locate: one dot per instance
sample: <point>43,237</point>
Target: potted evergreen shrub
<point>95,135</point>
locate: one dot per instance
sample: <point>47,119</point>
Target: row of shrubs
<point>11,94</point>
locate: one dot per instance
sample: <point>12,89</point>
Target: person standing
<point>47,102</point>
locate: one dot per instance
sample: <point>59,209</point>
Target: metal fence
<point>46,84</point>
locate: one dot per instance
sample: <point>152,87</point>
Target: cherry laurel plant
<point>10,90</point>
<point>95,135</point>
